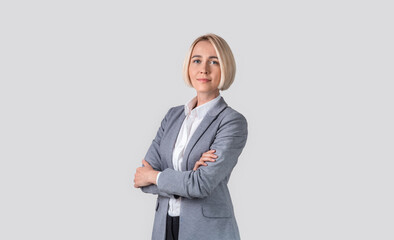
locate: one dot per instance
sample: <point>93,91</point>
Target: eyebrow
<point>201,56</point>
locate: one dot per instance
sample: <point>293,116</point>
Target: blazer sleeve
<point>153,157</point>
<point>229,142</point>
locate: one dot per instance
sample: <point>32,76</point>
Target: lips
<point>203,79</point>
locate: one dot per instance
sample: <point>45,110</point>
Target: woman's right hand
<point>208,156</point>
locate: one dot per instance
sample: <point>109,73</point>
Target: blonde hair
<point>226,60</point>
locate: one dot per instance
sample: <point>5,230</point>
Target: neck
<point>206,97</point>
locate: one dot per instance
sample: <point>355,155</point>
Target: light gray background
<point>85,84</point>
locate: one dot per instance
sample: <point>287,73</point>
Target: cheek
<point>218,74</point>
<point>191,71</point>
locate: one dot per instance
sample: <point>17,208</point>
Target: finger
<point>210,155</point>
<point>205,159</point>
<point>198,164</point>
<point>145,163</point>
<point>208,160</point>
<point>202,162</point>
<point>210,151</point>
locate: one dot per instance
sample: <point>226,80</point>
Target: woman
<point>195,150</point>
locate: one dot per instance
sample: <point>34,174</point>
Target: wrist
<point>153,177</point>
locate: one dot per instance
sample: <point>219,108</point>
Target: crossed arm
<point>229,142</point>
<point>146,175</point>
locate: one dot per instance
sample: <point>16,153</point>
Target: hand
<point>145,175</point>
<point>208,156</point>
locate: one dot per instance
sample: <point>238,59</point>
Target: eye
<point>214,62</point>
<point>196,61</point>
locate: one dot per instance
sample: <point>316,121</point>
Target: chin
<point>202,89</point>
<point>205,90</point>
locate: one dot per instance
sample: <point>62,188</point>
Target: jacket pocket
<point>216,210</point>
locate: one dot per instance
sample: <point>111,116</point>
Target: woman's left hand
<point>208,156</point>
<point>145,175</point>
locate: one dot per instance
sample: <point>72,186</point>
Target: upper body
<point>206,202</point>
<point>174,165</point>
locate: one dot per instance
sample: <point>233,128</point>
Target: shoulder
<point>233,121</point>
<point>174,111</point>
<point>178,108</point>
<point>229,115</point>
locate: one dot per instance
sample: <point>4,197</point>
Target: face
<point>204,68</point>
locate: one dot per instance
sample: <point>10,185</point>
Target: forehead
<point>204,48</point>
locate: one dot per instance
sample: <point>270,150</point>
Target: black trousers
<point>172,228</point>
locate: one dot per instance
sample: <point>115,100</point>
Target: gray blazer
<point>206,208</point>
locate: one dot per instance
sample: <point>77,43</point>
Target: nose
<point>204,69</point>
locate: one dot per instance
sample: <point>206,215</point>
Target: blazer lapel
<point>205,123</point>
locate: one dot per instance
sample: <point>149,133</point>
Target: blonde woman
<point>189,162</point>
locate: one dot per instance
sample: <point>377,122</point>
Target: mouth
<point>203,80</point>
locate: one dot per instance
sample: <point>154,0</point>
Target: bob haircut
<point>226,60</point>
